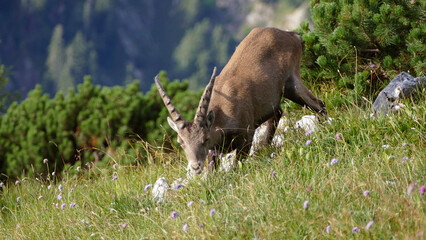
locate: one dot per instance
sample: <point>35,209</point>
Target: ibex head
<point>194,136</point>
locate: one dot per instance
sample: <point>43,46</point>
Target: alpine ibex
<point>264,68</point>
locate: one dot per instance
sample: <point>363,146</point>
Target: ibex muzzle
<point>264,68</point>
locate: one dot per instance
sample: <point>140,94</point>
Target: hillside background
<point>56,43</point>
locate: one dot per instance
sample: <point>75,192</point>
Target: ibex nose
<point>197,169</point>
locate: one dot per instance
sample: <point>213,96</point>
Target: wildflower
<point>114,166</point>
<point>185,227</point>
<point>404,144</point>
<point>147,187</point>
<point>53,173</point>
<point>273,173</point>
<point>60,187</point>
<point>56,205</point>
<point>59,196</point>
<point>369,224</point>
<point>327,229</point>
<point>201,225</point>
<point>17,225</point>
<point>211,163</point>
<point>175,214</point>
<point>179,185</point>
<point>72,205</point>
<point>333,161</point>
<point>404,159</point>
<point>386,146</point>
<point>306,204</point>
<point>338,136</point>
<point>1,184</point>
<point>422,189</point>
<point>355,230</point>
<point>45,161</point>
<point>308,189</point>
<point>72,190</point>
<point>273,155</point>
<point>372,65</point>
<point>366,193</point>
<point>212,212</point>
<point>78,169</point>
<point>114,178</point>
<point>308,142</point>
<point>190,203</point>
<point>17,182</point>
<point>308,133</point>
<point>49,187</point>
<point>40,197</point>
<point>63,206</point>
<point>17,199</point>
<point>123,225</point>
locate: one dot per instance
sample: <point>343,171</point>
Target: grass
<point>384,155</point>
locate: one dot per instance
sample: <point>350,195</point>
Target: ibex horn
<point>200,116</point>
<point>176,116</point>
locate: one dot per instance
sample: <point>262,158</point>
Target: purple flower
<point>175,214</point>
<point>49,187</point>
<point>45,160</point>
<point>1,184</point>
<point>72,205</point>
<point>422,189</point>
<point>308,133</point>
<point>147,187</point>
<point>190,203</point>
<point>114,166</point>
<point>40,197</point>
<point>410,188</point>
<point>369,224</point>
<point>72,190</point>
<point>63,206</point>
<point>211,163</point>
<point>308,142</point>
<point>179,185</point>
<point>404,159</point>
<point>306,204</point>
<point>17,182</point>
<point>185,227</point>
<point>327,229</point>
<point>338,136</point>
<point>273,173</point>
<point>201,225</point>
<point>372,65</point>
<point>308,189</point>
<point>60,187</point>
<point>59,196</point>
<point>366,193</point>
<point>404,144</point>
<point>333,161</point>
<point>356,230</point>
<point>78,169</point>
<point>212,212</point>
<point>114,178</point>
<point>17,199</point>
<point>123,225</point>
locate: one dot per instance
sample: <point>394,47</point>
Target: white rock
<point>227,162</point>
<point>307,123</point>
<point>159,191</point>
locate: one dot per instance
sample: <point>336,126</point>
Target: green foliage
<point>370,40</point>
<point>84,126</point>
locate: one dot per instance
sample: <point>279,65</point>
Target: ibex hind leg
<point>298,93</point>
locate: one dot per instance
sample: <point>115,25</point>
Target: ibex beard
<point>264,68</point>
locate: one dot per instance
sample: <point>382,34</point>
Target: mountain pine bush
<point>361,45</point>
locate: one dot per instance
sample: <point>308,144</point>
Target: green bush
<point>84,126</point>
<point>361,45</point>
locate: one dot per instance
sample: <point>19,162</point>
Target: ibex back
<point>264,68</point>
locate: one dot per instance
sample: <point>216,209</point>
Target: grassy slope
<point>249,202</point>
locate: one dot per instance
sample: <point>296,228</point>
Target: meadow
<point>360,177</point>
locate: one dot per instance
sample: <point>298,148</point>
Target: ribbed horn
<point>200,116</point>
<point>176,116</point>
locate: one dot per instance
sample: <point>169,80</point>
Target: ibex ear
<point>172,124</point>
<point>210,119</point>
